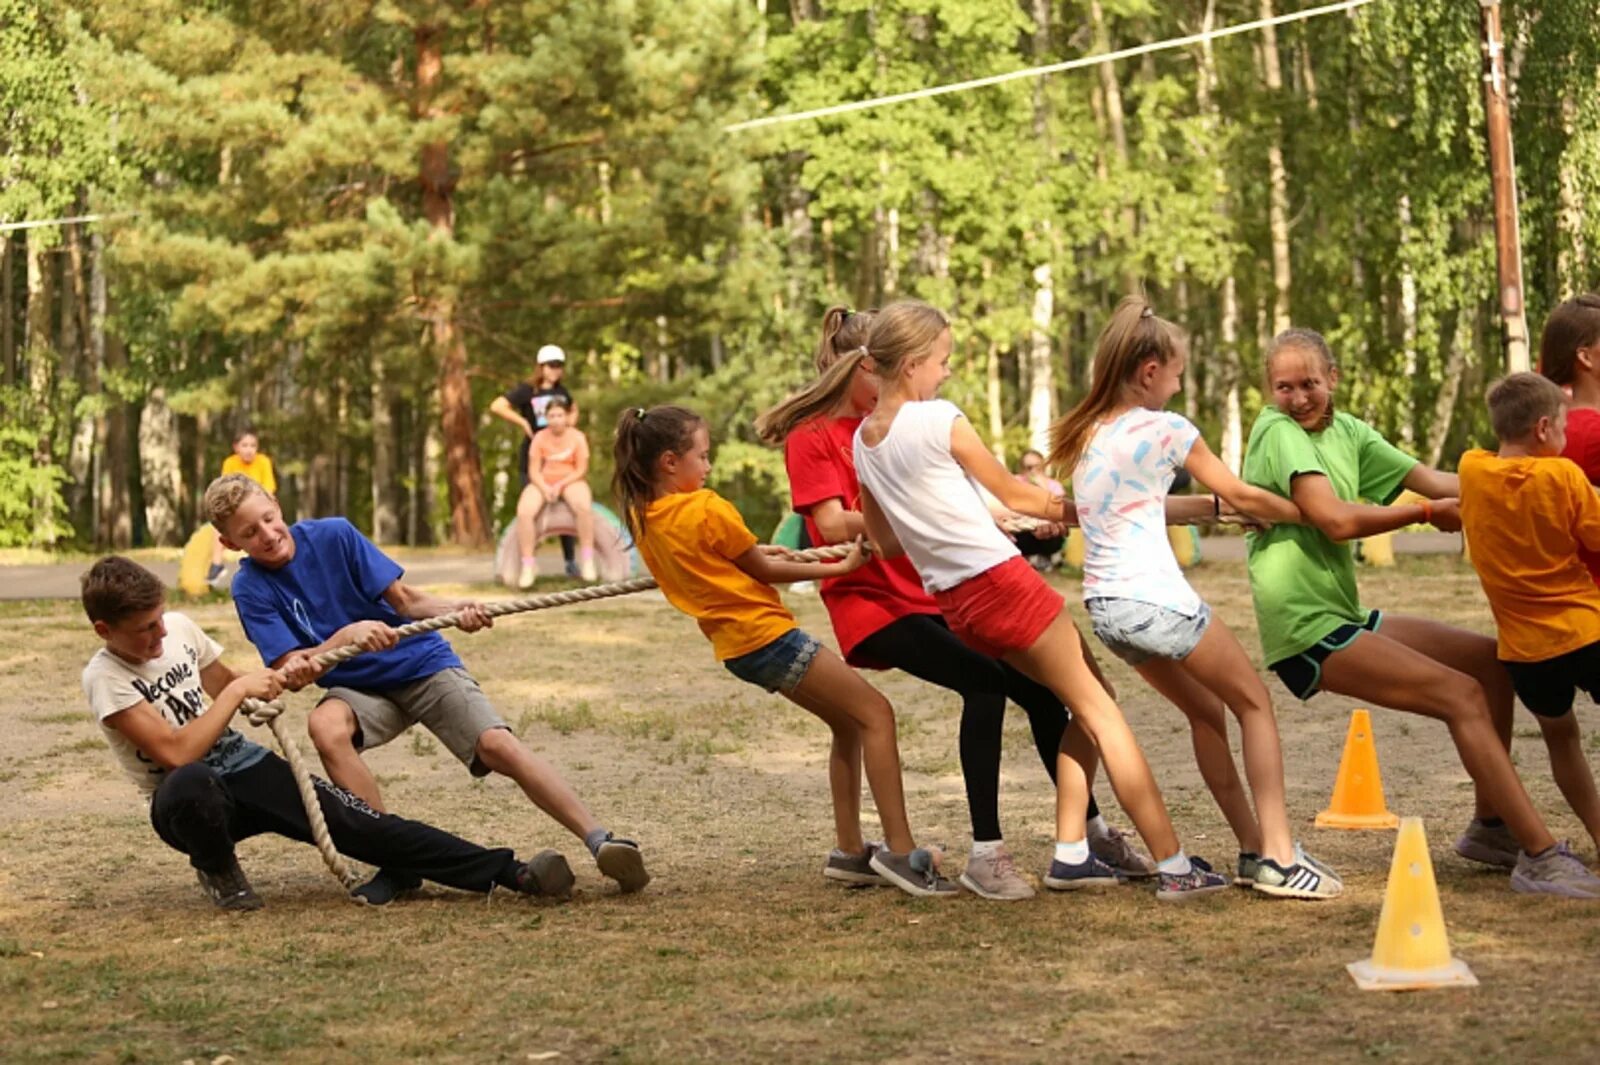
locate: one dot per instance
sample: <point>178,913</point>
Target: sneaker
<point>571,568</point>
<point>1491,846</point>
<point>528,574</point>
<point>853,870</point>
<point>229,889</point>
<point>1114,849</point>
<point>216,576</point>
<point>386,886</point>
<point>1320,866</point>
<point>546,874</point>
<point>1249,866</point>
<point>622,861</point>
<point>1199,880</point>
<point>1093,873</point>
<point>1555,872</point>
<point>994,876</point>
<point>913,873</point>
<point>1299,881</point>
<point>586,570</point>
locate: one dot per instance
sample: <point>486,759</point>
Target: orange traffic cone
<point>1412,950</point>
<point>1358,791</point>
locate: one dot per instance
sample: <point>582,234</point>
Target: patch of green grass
<point>567,719</point>
<point>64,717</point>
<point>422,744</point>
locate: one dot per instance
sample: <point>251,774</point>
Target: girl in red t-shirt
<point>884,619</point>
<point>1569,354</point>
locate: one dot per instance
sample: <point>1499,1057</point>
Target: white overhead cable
<point>7,227</point>
<point>1049,68</point>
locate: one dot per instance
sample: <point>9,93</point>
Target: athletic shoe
<point>913,873</point>
<point>1555,872</point>
<point>216,576</point>
<point>230,889</point>
<point>1299,881</point>
<point>1305,858</point>
<point>1491,846</point>
<point>571,568</point>
<point>1249,866</point>
<point>1199,880</point>
<point>527,575</point>
<point>546,874</point>
<point>621,860</point>
<point>1094,873</point>
<point>1114,849</point>
<point>853,870</point>
<point>586,570</point>
<point>994,876</point>
<point>385,886</point>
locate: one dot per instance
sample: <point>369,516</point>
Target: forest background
<point>350,224</point>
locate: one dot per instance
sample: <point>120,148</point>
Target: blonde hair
<point>1134,335</point>
<point>843,346</point>
<point>903,332</point>
<point>225,495</point>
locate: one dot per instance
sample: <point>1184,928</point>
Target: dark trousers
<point>203,813</point>
<point>923,646</point>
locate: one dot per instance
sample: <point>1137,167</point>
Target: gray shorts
<point>1136,632</point>
<point>448,704</point>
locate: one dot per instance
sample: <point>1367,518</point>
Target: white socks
<point>987,848</point>
<point>1072,852</point>
<point>1177,865</point>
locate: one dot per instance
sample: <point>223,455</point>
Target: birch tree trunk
<point>1408,333</point>
<point>1111,92</point>
<point>80,455</point>
<point>160,469</point>
<point>41,358</point>
<point>1041,367</point>
<point>385,456</point>
<point>1227,357</point>
<point>1277,175</point>
<point>8,315</point>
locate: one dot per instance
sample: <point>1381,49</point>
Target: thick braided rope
<point>269,714</point>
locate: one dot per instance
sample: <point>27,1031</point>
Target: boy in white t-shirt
<point>209,787</point>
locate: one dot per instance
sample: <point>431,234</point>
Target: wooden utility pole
<point>1503,177</point>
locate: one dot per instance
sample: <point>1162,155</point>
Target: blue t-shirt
<point>337,576</point>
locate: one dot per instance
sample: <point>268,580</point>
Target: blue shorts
<point>1135,631</point>
<point>1302,673</point>
<point>781,665</point>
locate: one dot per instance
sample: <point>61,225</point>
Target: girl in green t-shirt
<point>1316,636</point>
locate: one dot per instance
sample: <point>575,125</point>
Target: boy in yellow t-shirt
<point>247,458</point>
<point>1526,511</point>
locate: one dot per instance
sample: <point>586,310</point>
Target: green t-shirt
<point>1304,584</point>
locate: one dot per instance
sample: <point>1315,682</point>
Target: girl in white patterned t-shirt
<point>1123,450</point>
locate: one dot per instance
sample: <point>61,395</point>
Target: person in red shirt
<point>1569,354</point>
<point>883,618</point>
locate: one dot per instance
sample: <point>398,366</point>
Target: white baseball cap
<point>551,353</point>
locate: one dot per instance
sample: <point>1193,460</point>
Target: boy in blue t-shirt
<point>321,585</point>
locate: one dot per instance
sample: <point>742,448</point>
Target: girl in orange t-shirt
<point>709,565</point>
<point>558,463</point>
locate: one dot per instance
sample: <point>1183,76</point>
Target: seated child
<point>1526,511</point>
<point>558,462</point>
<point>321,585</point>
<point>209,787</point>
<point>1042,552</point>
<point>247,458</point>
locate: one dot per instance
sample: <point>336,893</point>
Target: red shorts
<point>1003,609</point>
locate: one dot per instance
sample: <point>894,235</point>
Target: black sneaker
<point>385,886</point>
<point>229,889</point>
<point>547,874</point>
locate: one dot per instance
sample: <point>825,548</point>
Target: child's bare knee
<point>331,726</point>
<point>1562,729</point>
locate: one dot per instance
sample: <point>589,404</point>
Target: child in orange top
<point>558,463</point>
<point>710,566</point>
<point>247,458</point>
<point>1526,512</point>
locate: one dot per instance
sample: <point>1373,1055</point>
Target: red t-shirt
<point>1583,447</point>
<point>821,461</point>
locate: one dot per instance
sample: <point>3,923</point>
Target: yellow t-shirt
<point>258,469</point>
<point>1525,519</point>
<point>689,543</point>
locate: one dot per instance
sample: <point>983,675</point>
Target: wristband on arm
<point>1427,511</point>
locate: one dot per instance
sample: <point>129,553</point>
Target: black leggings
<point>923,646</point>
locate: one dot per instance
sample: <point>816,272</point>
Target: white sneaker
<point>529,574</point>
<point>586,570</point>
<point>994,876</point>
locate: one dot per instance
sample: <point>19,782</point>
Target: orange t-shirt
<point>690,541</point>
<point>552,458</point>
<point>258,469</point>
<point>1525,519</point>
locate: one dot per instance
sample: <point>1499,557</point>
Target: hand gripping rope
<point>268,714</point>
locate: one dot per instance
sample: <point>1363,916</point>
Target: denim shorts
<point>1302,673</point>
<point>1136,632</point>
<point>781,665</point>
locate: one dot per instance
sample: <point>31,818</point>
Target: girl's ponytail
<point>843,346</point>
<point>643,436</point>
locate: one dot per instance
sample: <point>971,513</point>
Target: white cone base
<point>1370,977</point>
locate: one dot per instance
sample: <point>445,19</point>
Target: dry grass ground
<point>739,951</point>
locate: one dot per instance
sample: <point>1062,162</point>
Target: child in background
<point>1569,354</point>
<point>884,619</point>
<point>920,461</point>
<point>1124,450</point>
<point>1526,512</point>
<point>710,566</point>
<point>247,458</point>
<point>1042,552</point>
<point>524,405</point>
<point>1316,635</point>
<point>558,463</point>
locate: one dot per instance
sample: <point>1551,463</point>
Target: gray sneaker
<point>1113,848</point>
<point>853,870</point>
<point>1555,872</point>
<point>1249,866</point>
<point>230,889</point>
<point>913,873</point>
<point>1299,881</point>
<point>547,873</point>
<point>621,860</point>
<point>1492,846</point>
<point>995,876</point>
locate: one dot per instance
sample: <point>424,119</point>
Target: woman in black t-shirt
<point>524,405</point>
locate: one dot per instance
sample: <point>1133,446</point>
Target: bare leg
<point>1386,672</point>
<point>1075,766</point>
<point>1056,660</point>
<point>1571,769</point>
<point>528,506</point>
<point>581,500</point>
<point>502,752</point>
<point>332,725</point>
